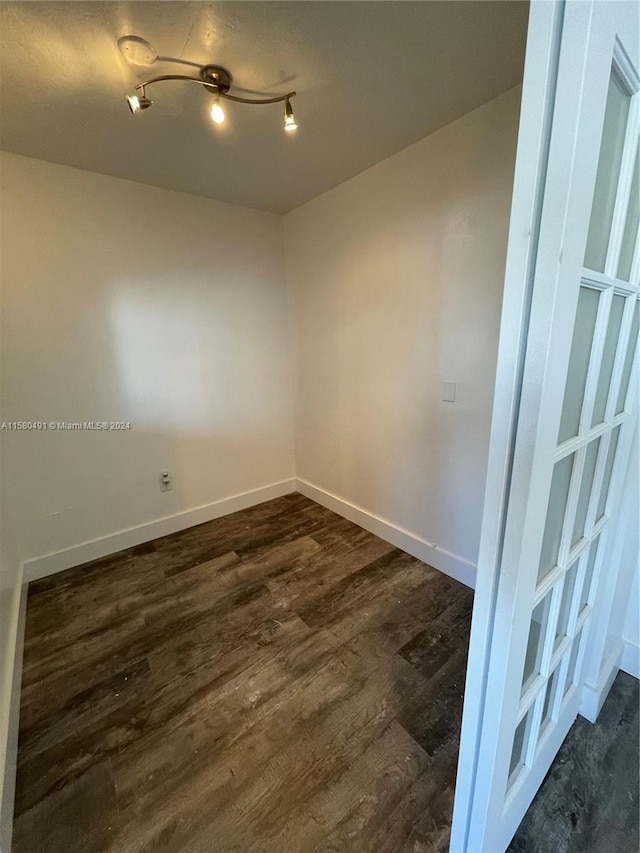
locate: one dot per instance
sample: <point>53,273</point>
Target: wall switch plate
<point>448,391</point>
<point>165,482</point>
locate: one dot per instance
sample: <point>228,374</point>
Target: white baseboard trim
<point>450,564</point>
<point>593,698</point>
<point>49,564</point>
<point>630,659</point>
<point>8,777</point>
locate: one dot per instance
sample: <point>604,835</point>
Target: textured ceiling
<point>371,77</point>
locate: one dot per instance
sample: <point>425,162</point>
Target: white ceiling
<point>371,77</point>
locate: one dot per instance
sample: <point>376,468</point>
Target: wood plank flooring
<point>590,799</point>
<point>278,680</point>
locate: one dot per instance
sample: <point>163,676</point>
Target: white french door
<point>563,410</point>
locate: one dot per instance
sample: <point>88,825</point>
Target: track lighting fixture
<point>217,80</point>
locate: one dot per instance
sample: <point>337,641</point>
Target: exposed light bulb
<point>217,113</point>
<point>289,118</point>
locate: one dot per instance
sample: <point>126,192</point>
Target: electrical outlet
<point>165,482</point>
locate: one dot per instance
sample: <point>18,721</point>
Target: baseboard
<point>8,778</point>
<point>49,564</point>
<point>630,659</point>
<point>593,697</point>
<point>450,564</point>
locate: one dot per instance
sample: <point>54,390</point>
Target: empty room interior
<point>252,260</point>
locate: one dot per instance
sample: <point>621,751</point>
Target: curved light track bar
<point>219,91</point>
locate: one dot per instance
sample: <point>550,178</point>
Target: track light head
<point>138,103</point>
<point>289,118</point>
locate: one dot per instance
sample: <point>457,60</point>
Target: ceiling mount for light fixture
<point>137,51</point>
<point>216,80</point>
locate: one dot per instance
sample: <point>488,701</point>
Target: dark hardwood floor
<point>589,801</point>
<point>276,680</point>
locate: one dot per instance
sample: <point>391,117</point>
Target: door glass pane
<point>573,659</point>
<point>632,222</point>
<point>585,324</point>
<point>537,631</point>
<point>628,361</point>
<point>588,577</point>
<point>565,604</point>
<point>608,468</point>
<point>518,741</point>
<point>555,515</point>
<point>604,196</point>
<point>588,471</point>
<point>520,744</point>
<point>552,686</point>
<point>608,358</point>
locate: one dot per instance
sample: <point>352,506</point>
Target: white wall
<point>124,302</point>
<point>631,626</point>
<point>613,638</point>
<point>625,619</point>
<point>624,610</point>
<point>395,281</point>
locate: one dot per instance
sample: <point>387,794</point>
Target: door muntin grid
<point>597,404</point>
<point>570,563</point>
